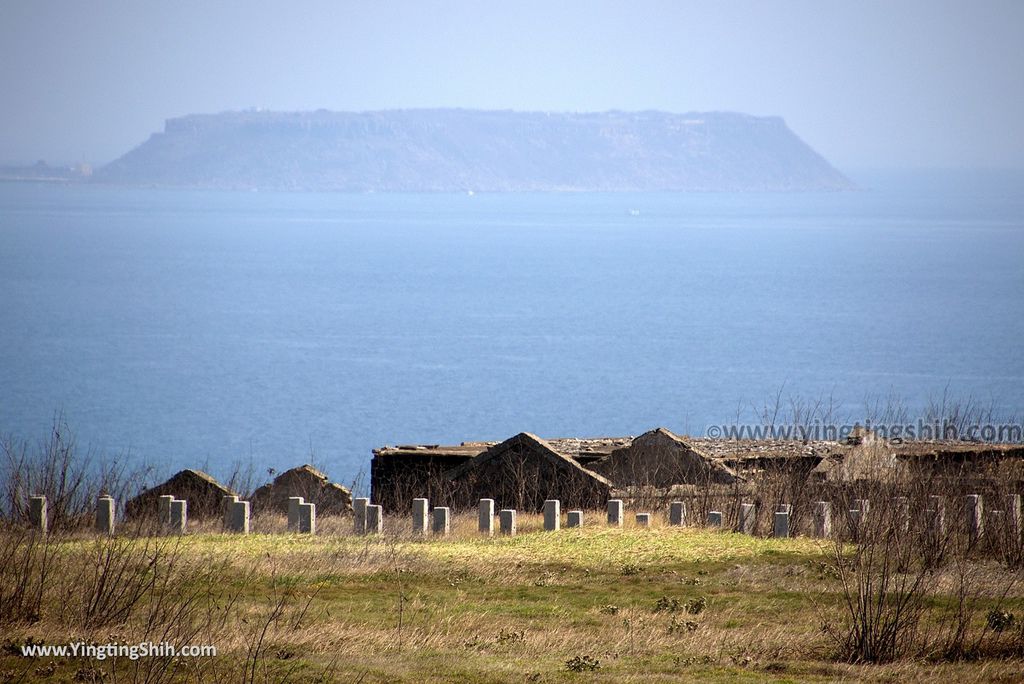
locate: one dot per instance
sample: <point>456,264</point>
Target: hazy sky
<point>868,84</point>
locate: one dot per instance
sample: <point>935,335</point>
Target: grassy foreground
<point>597,604</point>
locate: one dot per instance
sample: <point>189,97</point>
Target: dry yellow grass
<point>658,604</point>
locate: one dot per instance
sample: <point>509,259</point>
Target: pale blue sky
<point>868,84</point>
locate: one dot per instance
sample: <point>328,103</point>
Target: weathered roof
<point>938,449</point>
<point>754,449</point>
<point>733,451</point>
<point>538,445</point>
<point>659,454</point>
<point>307,481</point>
<point>202,491</point>
<point>585,448</point>
<point>465,449</point>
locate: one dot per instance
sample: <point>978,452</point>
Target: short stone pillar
<point>552,515</point>
<point>1013,516</point>
<point>996,521</point>
<point>38,517</point>
<point>780,529</point>
<point>748,516</point>
<point>643,519</point>
<point>163,509</point>
<point>105,515</point>
<point>936,517</point>
<point>485,517</point>
<point>507,521</point>
<point>294,503</point>
<point>974,513</point>
<point>714,518</point>
<point>677,514</point>
<point>901,514</point>
<point>615,512</point>
<point>823,519</point>
<point>856,522</point>
<point>442,520</point>
<point>227,503</point>
<point>574,519</point>
<point>373,519</point>
<point>359,508</point>
<point>239,522</point>
<point>307,518</point>
<point>179,516</point>
<point>420,512</point>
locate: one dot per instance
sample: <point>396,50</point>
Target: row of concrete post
<point>369,518</point>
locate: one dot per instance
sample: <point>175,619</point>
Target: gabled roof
<point>660,437</point>
<point>203,492</point>
<point>305,471</point>
<point>533,444</point>
<point>665,432</point>
<point>187,481</point>
<point>307,481</point>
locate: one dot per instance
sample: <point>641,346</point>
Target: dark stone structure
<point>400,474</point>
<point>522,472</point>
<point>309,483</point>
<point>661,459</point>
<point>204,495</point>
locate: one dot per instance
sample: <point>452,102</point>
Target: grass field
<point>592,604</point>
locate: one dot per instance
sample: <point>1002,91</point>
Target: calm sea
<point>207,329</point>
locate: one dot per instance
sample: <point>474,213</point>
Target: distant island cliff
<point>459,150</point>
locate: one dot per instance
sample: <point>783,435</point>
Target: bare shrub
<point>27,561</point>
<point>71,479</point>
<point>883,589</point>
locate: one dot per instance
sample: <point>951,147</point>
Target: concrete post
<point>485,517</point>
<point>677,514</point>
<point>901,516</point>
<point>643,519</point>
<point>936,516</point>
<point>442,520</point>
<point>975,514</point>
<point>228,510</point>
<point>996,521</point>
<point>781,527</point>
<point>615,512</point>
<point>574,519</point>
<point>105,515</point>
<point>37,514</point>
<point>862,505</point>
<point>373,519</point>
<point>714,518</point>
<point>748,513</point>
<point>359,507</point>
<point>507,521</point>
<point>856,521</point>
<point>420,508</point>
<point>163,509</point>
<point>1013,516</point>
<point>239,517</point>
<point>307,518</point>
<point>552,515</point>
<point>294,503</point>
<point>822,519</point>
<point>179,516</point>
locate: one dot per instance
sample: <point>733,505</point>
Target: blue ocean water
<point>189,328</point>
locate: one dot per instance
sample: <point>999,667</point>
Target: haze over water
<point>198,329</point>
